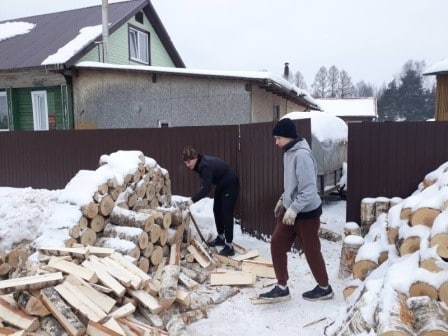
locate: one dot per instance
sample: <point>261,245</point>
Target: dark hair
<point>189,153</point>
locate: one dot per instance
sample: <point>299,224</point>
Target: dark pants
<point>306,231</point>
<point>224,207</point>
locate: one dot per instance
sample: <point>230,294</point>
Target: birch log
<point>430,316</point>
<point>350,247</point>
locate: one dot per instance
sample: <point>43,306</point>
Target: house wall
<point>118,99</point>
<point>263,103</point>
<point>119,46</point>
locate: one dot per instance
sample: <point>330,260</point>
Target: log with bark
<point>350,247</point>
<point>431,318</point>
<point>136,235</point>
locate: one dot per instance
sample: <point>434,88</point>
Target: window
<point>4,121</point>
<point>275,112</point>
<point>139,17</point>
<point>40,110</point>
<point>138,46</point>
<point>164,124</point>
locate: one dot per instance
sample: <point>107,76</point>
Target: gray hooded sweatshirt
<point>299,179</point>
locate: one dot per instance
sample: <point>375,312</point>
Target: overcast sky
<point>371,40</point>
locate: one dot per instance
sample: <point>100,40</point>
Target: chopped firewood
<point>30,282</point>
<point>97,329</point>
<point>258,268</point>
<point>123,311</point>
<point>71,268</point>
<point>30,304</point>
<point>62,312</point>
<point>232,278</point>
<point>227,261</point>
<point>147,300</point>
<point>183,297</point>
<point>121,277</point>
<point>131,267</point>
<point>106,279</point>
<point>247,255</point>
<point>200,254</point>
<point>152,318</point>
<point>51,326</point>
<point>187,282</point>
<point>115,326</point>
<point>17,317</point>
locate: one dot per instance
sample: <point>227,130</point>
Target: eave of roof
<point>264,80</point>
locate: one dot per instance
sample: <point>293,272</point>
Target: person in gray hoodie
<point>298,215</point>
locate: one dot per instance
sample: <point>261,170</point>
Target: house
<point>440,70</point>
<point>350,109</point>
<point>64,71</point>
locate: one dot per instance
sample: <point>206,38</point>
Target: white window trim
<point>142,53</point>
<point>3,94</point>
<point>40,116</point>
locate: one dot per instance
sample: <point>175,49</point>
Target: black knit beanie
<point>285,128</point>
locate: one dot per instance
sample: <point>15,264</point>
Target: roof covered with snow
<point>264,79</point>
<point>62,38</point>
<point>349,107</point>
<point>439,68</point>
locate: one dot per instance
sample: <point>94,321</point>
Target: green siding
<point>119,46</point>
<point>56,99</point>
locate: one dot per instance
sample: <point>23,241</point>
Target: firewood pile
<point>131,266</point>
<point>397,263</point>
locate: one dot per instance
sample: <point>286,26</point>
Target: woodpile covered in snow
<point>396,262</point>
<point>130,266</point>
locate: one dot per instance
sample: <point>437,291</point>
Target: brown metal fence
<point>50,159</point>
<point>391,159</point>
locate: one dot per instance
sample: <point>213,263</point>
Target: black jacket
<point>213,171</point>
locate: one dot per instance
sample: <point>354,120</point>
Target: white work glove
<point>188,202</point>
<point>290,217</point>
<point>279,208</point>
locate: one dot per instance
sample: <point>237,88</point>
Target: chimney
<point>105,21</point>
<point>286,71</point>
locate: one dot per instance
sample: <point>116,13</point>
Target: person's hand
<point>279,208</point>
<point>188,202</point>
<point>290,217</point>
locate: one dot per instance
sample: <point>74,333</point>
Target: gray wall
<point>121,99</point>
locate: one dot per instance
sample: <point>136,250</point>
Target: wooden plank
<point>106,279</point>
<point>97,329</point>
<point>80,302</point>
<point>30,282</point>
<point>17,317</point>
<point>259,269</point>
<point>248,255</point>
<point>131,267</point>
<point>239,249</point>
<point>123,311</point>
<point>72,268</point>
<point>62,312</point>
<point>147,300</point>
<point>232,278</point>
<point>105,302</point>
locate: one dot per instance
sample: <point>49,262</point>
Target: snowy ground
<point>26,214</point>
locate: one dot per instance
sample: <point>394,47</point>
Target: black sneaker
<point>227,251</point>
<point>218,241</point>
<point>318,293</point>
<point>276,294</point>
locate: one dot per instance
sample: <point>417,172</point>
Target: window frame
<point>139,58</point>
<point>3,94</point>
<point>40,117</point>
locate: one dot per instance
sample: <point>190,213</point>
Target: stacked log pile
<point>131,266</point>
<point>399,265</point>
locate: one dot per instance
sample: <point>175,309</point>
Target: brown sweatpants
<point>307,233</point>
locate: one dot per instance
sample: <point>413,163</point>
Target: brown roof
<point>53,31</point>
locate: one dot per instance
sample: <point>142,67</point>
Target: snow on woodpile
<point>397,271</point>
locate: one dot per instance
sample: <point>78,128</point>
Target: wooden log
<point>156,255</point>
<point>135,235</point>
<point>97,329</point>
<point>168,289</point>
<point>30,304</point>
<point>352,228</point>
<point>194,315</point>
<point>120,245</point>
<point>87,237</point>
<point>83,222</point>
<point>430,318</point>
<point>350,247</point>
<point>420,288</point>
<point>163,237</point>
<point>124,217</point>
<point>105,278</point>
<point>51,326</point>
<point>394,317</point>
<point>194,271</point>
<point>97,224</point>
<point>62,312</point>
<point>430,265</point>
<point>127,278</point>
<point>362,268</point>
<point>347,291</point>
<point>29,283</point>
<point>424,216</point>
<point>367,214</point>
<point>200,254</point>
<point>176,326</point>
<point>443,292</point>
<point>74,231</point>
<point>106,206</point>
<point>131,267</point>
<point>16,317</point>
<point>143,264</point>
<point>382,205</point>
<point>17,257</point>
<point>115,192</point>
<point>408,245</point>
<point>440,239</point>
<point>124,310</point>
<point>188,282</point>
<point>154,233</point>
<point>147,251</point>
<point>89,210</point>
